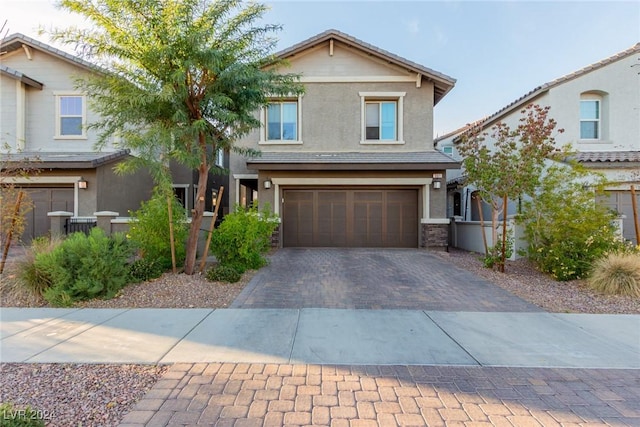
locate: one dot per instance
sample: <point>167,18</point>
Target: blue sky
<point>497,51</point>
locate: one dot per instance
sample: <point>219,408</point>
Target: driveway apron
<point>357,278</point>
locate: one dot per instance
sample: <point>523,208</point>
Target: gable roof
<point>442,83</point>
<point>16,41</point>
<point>17,75</point>
<point>538,91</point>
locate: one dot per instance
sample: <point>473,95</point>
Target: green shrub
<point>149,231</point>
<point>617,273</point>
<point>83,267</point>
<point>144,269</point>
<point>494,257</point>
<point>565,229</point>
<point>223,273</point>
<point>243,237</point>
<point>10,416</point>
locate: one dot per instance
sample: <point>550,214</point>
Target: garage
<point>350,217</point>
<point>45,200</point>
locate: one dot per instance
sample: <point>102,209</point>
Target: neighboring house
<point>351,163</point>
<point>599,109</point>
<point>43,117</point>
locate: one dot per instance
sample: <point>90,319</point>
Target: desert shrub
<point>11,416</point>
<point>144,269</point>
<point>84,267</point>
<point>222,273</point>
<point>617,273</point>
<point>243,238</point>
<point>149,231</point>
<point>565,230</point>
<point>36,277</point>
<point>494,257</point>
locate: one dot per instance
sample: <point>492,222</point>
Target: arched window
<point>592,115</point>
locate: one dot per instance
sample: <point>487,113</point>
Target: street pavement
<point>355,338</point>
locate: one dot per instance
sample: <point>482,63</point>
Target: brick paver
<point>359,278</point>
<point>277,395</point>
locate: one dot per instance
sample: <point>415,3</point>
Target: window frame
<point>597,121</point>
<point>58,96</point>
<point>367,98</point>
<point>264,123</point>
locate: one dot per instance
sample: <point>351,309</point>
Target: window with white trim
<point>281,122</point>
<point>448,149</point>
<point>590,118</point>
<point>71,114</point>
<point>220,158</point>
<point>382,117</point>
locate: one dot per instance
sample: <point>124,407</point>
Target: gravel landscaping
<point>77,394</point>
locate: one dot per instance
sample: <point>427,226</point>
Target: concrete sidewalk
<point>319,336</point>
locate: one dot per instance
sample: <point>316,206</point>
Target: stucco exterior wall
<point>112,186</point>
<point>57,76</point>
<point>619,86</point>
<point>8,112</point>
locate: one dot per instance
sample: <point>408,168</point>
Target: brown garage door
<point>350,218</point>
<point>45,200</point>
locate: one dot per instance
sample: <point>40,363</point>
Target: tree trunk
<point>484,236</point>
<point>503,256</point>
<point>198,209</point>
<point>14,220</point>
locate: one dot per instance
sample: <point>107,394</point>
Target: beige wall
<point>57,76</point>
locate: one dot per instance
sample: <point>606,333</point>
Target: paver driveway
<point>359,278</point>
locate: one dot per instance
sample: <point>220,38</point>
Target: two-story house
<point>599,109</point>
<point>44,117</point>
<point>351,163</point>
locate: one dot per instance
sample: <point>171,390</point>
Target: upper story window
<point>71,114</point>
<point>590,119</point>
<point>382,117</point>
<point>381,120</point>
<point>281,122</point>
<point>447,149</point>
<point>220,158</point>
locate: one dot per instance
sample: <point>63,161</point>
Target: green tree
<point>504,164</point>
<point>182,77</point>
<point>566,230</point>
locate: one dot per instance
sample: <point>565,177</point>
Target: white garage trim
<point>49,180</point>
<point>423,182</point>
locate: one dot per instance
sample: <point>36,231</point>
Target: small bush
<point>10,416</point>
<point>494,257</point>
<point>144,269</point>
<point>566,231</point>
<point>150,230</point>
<point>617,273</point>
<point>223,273</point>
<point>243,238</point>
<point>80,267</point>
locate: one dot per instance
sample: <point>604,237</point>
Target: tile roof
<point>353,157</point>
<point>546,86</point>
<point>58,160</point>
<point>15,74</point>
<point>443,83</point>
<point>607,156</point>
